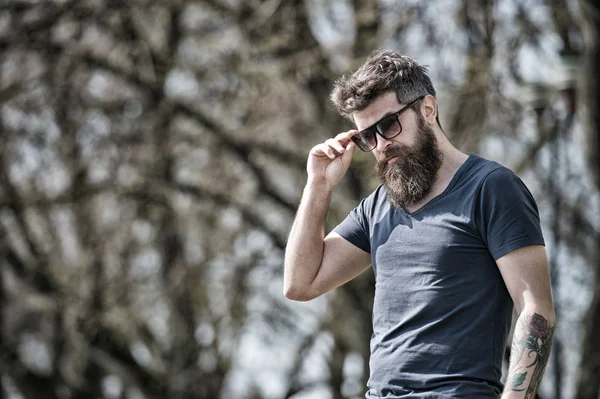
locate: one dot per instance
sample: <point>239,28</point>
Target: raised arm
<point>525,273</point>
<point>315,264</point>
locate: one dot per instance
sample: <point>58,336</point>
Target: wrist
<point>318,184</point>
<point>317,190</point>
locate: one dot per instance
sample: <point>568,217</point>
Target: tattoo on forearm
<point>529,353</point>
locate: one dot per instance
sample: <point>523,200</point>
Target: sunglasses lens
<point>364,140</point>
<point>389,127</point>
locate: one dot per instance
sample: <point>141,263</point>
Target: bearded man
<point>454,240</point>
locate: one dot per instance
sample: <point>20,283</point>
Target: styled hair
<point>383,71</point>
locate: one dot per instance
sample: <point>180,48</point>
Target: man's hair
<point>383,71</point>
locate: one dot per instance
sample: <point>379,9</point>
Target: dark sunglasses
<point>387,127</point>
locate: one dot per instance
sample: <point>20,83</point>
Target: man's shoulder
<point>484,166</point>
<point>482,169</point>
<point>494,174</point>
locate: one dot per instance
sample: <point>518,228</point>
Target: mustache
<point>391,152</point>
<point>395,151</point>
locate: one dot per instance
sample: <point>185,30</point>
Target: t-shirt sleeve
<point>355,228</point>
<point>508,217</point>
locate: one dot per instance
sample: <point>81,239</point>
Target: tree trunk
<point>588,386</point>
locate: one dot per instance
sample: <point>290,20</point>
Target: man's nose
<point>382,143</point>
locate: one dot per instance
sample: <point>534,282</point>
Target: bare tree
<point>152,157</point>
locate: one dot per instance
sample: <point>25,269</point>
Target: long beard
<point>410,177</point>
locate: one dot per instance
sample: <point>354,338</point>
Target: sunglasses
<point>387,127</point>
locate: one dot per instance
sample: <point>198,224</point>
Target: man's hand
<point>329,161</point>
<point>315,264</point>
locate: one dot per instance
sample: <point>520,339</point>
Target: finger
<point>345,137</point>
<point>336,145</point>
<point>324,150</point>
<point>318,150</point>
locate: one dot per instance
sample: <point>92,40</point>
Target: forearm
<point>530,350</point>
<point>304,250</point>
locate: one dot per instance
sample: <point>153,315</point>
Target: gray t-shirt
<point>441,312</point>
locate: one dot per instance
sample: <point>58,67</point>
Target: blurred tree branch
<point>152,156</point>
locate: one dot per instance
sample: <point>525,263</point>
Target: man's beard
<point>410,177</point>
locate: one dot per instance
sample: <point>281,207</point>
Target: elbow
<point>296,293</point>
<point>547,312</point>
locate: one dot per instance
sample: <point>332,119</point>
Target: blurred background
<point>152,156</point>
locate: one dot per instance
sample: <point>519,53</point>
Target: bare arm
<point>315,264</point>
<point>525,272</point>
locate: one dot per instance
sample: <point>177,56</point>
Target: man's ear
<point>429,109</point>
